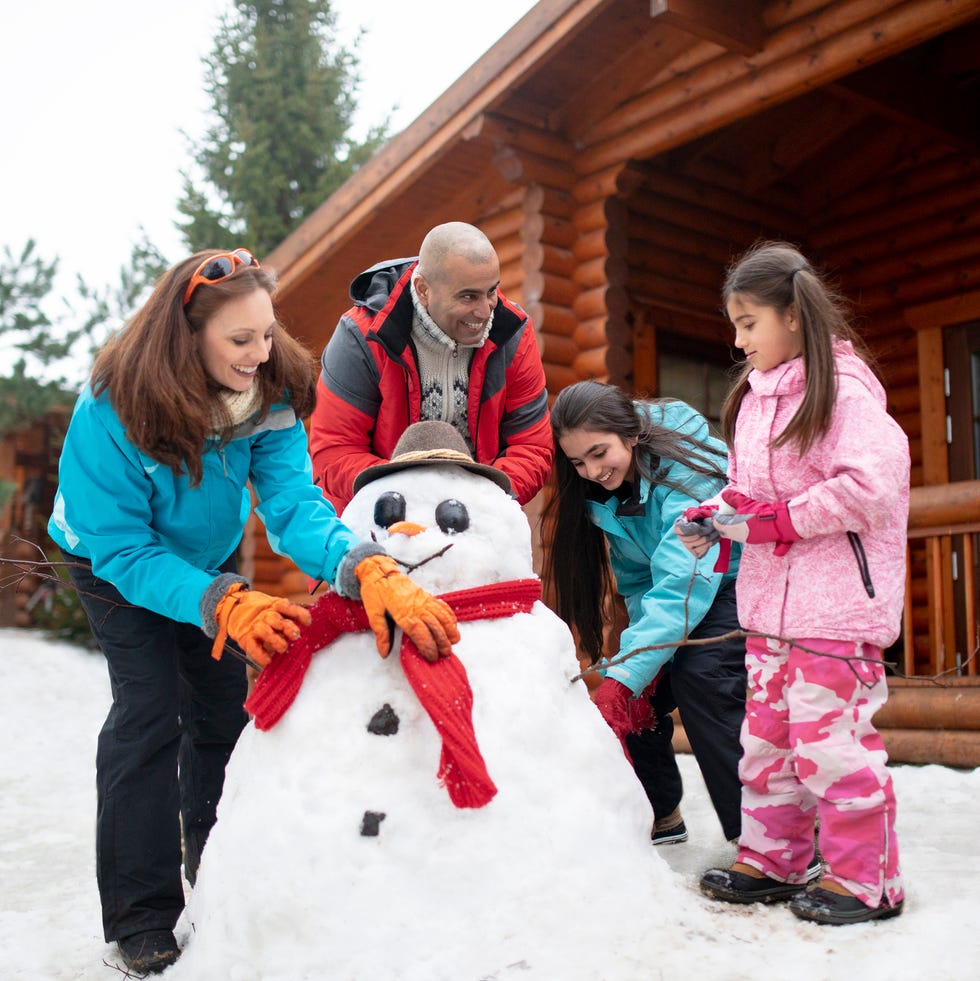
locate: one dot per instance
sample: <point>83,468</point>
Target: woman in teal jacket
<point>625,472</point>
<point>193,407</point>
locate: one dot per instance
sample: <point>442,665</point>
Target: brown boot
<point>669,830</point>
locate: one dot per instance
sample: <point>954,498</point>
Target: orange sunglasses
<point>217,268</point>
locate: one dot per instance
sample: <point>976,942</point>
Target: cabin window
<point>700,377</point>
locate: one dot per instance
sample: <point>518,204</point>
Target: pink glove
<point>761,522</point>
<point>623,713</point>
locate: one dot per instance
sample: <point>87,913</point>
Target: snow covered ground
<point>53,698</point>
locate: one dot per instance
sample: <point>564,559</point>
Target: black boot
<point>824,906</point>
<point>740,887</point>
<point>149,952</point>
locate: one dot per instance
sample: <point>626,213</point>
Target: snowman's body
<point>332,889</point>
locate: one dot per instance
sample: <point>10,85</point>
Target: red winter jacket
<point>369,390</point>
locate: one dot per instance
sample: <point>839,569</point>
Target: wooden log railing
<point>933,714</point>
<point>944,522</point>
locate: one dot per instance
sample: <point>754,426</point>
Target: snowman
<point>376,826</point>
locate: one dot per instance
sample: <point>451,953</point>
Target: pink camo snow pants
<point>811,750</point>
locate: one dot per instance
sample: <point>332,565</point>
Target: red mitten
<point>623,713</point>
<point>757,522</point>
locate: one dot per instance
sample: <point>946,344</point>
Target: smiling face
<point>605,458</point>
<point>766,336</point>
<point>461,296</point>
<point>237,339</point>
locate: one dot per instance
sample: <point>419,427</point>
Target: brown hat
<point>427,442</point>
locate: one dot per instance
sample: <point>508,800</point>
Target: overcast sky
<point>96,94</point>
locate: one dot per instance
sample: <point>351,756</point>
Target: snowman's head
<point>447,521</point>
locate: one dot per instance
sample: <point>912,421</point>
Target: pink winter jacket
<point>855,479</point>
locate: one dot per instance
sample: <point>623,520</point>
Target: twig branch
<point>409,567</point>
<point>242,656</point>
<point>41,570</point>
<point>124,971</point>
<point>44,570</point>
<point>731,635</point>
<point>687,641</point>
<point>435,555</point>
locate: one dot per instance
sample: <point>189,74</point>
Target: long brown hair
<point>775,274</point>
<point>156,379</point>
<point>576,565</point>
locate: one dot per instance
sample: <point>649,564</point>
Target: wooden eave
<point>594,86</point>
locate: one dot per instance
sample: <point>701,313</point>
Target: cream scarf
<point>238,405</point>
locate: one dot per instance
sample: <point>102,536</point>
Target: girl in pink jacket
<point>818,492</point>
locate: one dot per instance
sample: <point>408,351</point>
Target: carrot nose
<point>407,528</point>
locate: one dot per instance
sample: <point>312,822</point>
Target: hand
<point>428,621</point>
<point>757,522</point>
<point>697,532</point>
<point>697,521</point>
<point>623,713</point>
<point>695,529</point>
<point>262,625</point>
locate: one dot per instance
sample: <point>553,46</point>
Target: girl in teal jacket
<point>193,407</point>
<point>625,472</point>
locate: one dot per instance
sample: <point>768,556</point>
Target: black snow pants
<point>708,685</point>
<point>175,717</point>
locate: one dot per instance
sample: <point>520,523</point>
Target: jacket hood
<point>372,290</point>
<point>372,287</point>
<point>849,365</point>
<point>789,378</point>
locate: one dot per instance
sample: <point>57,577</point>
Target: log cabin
<point>28,480</point>
<point>619,154</point>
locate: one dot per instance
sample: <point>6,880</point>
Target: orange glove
<point>262,625</point>
<point>428,621</point>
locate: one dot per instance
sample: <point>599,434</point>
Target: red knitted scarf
<point>441,686</point>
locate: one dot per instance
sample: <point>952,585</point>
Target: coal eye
<point>452,516</point>
<point>388,509</point>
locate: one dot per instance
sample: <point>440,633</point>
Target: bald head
<point>454,239</point>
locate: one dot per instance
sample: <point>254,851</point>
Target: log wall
<point>887,254</point>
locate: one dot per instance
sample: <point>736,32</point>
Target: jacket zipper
<point>862,561</point>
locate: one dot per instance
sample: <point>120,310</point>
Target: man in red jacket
<point>432,338</point>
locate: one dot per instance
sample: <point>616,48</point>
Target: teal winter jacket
<point>161,542</point>
<point>654,573</point>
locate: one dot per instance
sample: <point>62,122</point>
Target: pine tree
<point>48,341</point>
<point>32,345</point>
<point>282,93</point>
